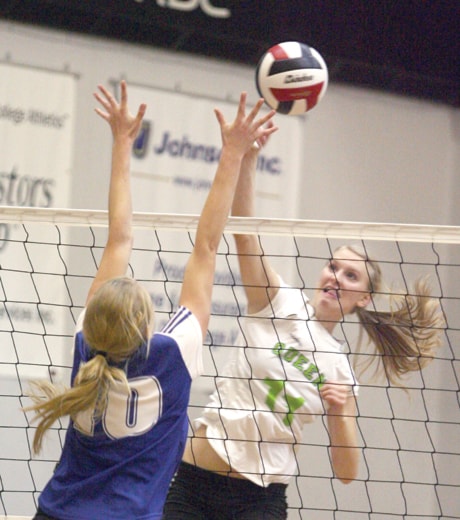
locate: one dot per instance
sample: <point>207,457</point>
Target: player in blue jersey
<point>130,387</point>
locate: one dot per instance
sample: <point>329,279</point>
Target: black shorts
<point>40,515</point>
<point>199,494</point>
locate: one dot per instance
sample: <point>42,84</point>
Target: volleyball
<point>292,77</point>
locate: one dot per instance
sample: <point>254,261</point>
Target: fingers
<point>106,100</point>
<point>250,118</point>
<point>104,103</point>
<point>262,139</point>
<point>220,117</point>
<point>267,118</point>
<point>242,105</point>
<point>141,112</point>
<point>268,130</point>
<point>124,94</point>
<point>264,132</point>
<point>257,125</point>
<point>255,110</point>
<point>109,100</point>
<point>115,111</point>
<point>246,132</point>
<point>271,126</point>
<point>104,115</point>
<point>264,125</point>
<point>335,393</point>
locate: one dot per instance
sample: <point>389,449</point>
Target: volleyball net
<point>410,463</point>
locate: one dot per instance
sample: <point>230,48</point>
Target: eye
<point>332,267</point>
<point>351,275</point>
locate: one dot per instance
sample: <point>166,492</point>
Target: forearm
<point>120,199</point>
<point>244,200</point>
<point>244,206</point>
<point>258,277</point>
<point>199,273</point>
<point>237,138</point>
<point>248,246</point>
<point>344,449</point>
<point>218,203</point>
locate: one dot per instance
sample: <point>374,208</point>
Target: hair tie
<point>102,353</point>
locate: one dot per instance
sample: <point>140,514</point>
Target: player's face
<point>343,286</point>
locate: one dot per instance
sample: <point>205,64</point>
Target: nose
<point>334,278</point>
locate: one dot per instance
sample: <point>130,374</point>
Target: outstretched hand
<point>263,139</point>
<point>121,121</point>
<point>246,130</point>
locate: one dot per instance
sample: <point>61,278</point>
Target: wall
<point>370,156</point>
<point>382,158</point>
<point>367,155</point>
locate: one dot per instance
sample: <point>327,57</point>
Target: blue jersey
<point>123,470</point>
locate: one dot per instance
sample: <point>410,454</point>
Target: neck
<point>327,324</point>
<point>325,315</point>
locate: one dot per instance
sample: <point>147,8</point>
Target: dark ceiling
<point>408,47</point>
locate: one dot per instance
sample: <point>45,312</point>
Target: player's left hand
<point>335,395</point>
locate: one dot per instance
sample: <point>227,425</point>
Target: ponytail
<point>89,392</point>
<point>407,335</point>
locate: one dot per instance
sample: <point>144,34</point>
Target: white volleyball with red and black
<point>292,77</point>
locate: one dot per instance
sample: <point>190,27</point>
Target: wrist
<point>122,140</point>
<point>232,152</point>
<point>336,410</point>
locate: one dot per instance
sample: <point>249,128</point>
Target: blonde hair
<point>117,322</point>
<point>408,334</point>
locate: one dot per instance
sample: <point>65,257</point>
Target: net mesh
<point>410,463</point>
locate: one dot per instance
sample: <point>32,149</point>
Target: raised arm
<point>125,127</point>
<point>259,279</point>
<point>237,139</point>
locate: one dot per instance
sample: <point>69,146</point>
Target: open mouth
<point>332,291</point>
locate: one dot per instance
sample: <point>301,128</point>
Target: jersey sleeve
<point>79,324</point>
<point>287,302</point>
<point>186,330</point>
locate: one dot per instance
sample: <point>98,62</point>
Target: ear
<point>364,301</point>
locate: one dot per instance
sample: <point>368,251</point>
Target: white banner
<point>36,136</point>
<point>36,141</point>
<point>178,150</point>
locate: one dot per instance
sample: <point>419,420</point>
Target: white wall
<point>368,156</point>
<point>379,157</point>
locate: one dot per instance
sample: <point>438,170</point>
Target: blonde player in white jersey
<point>291,371</point>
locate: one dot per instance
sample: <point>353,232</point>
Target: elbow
<point>347,480</point>
<point>346,476</point>
<point>121,239</point>
<point>247,243</point>
<point>206,250</point>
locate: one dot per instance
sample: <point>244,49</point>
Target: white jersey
<point>270,390</point>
